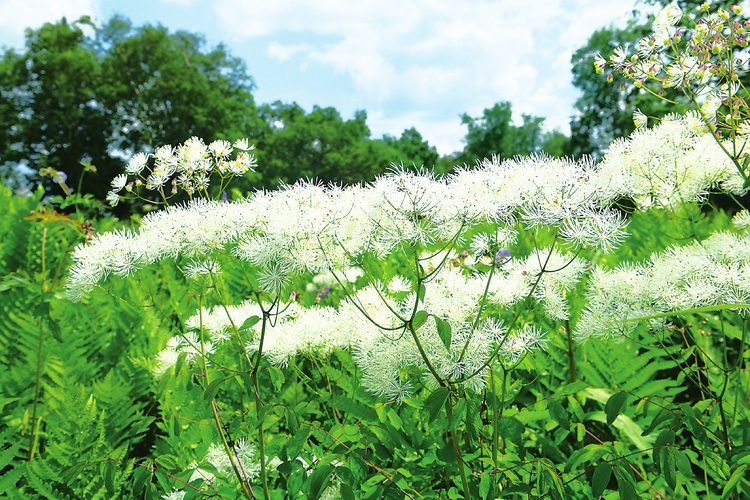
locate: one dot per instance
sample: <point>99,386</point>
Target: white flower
<point>399,284</point>
<point>220,149</point>
<point>527,340</point>
<point>202,268</point>
<point>640,119</point>
<point>113,198</point>
<point>243,145</point>
<point>741,219</point>
<point>703,273</point>
<point>174,495</point>
<point>189,344</point>
<point>669,16</point>
<point>273,277</point>
<point>119,182</point>
<point>137,163</point>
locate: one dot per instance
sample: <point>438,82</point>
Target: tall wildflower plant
<point>480,251</point>
<point>438,289</point>
<point>705,60</point>
<point>692,295</point>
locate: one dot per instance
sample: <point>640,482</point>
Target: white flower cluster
<point>307,227</point>
<point>675,162</point>
<point>187,167</point>
<point>712,272</point>
<point>245,455</point>
<point>384,349</point>
<point>189,344</point>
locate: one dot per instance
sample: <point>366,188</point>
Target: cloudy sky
<point>408,63</point>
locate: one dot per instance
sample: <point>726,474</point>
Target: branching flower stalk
<point>706,62</point>
<point>468,287</point>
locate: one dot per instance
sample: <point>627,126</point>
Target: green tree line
<point>81,99</point>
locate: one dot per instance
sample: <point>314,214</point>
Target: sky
<point>407,63</point>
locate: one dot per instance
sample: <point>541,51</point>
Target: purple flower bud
<point>502,256</point>
<point>60,177</point>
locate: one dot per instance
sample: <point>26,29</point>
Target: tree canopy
<point>81,93</point>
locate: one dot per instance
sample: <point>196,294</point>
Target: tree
<point>319,145</point>
<point>164,88</point>
<point>52,112</point>
<point>72,98</point>
<point>493,134</point>
<point>412,150</point>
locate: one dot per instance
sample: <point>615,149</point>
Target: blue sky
<point>408,63</point>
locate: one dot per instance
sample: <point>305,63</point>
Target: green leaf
<point>600,479</point>
<point>419,318</point>
<point>167,461</point>
<point>180,362</point>
<point>734,479</point>
<point>291,420</point>
<point>683,464</point>
<point>163,478</point>
<point>697,429</point>
<point>511,429</point>
<point>141,477</point>
<point>296,442</point>
<point>661,417</point>
<point>435,401</point>
<point>444,331</point>
<point>626,489</point>
<point>522,488</point>
<point>109,477</point>
<point>212,389</point>
<point>557,491</point>
<point>346,492</point>
<point>614,406</point>
<point>558,413</point>
<point>458,414</point>
<point>250,322</point>
<point>277,377</point>
<point>668,467</point>
<point>318,481</point>
<point>71,473</point>
<point>421,292</point>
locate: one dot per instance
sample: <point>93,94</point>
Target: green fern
<point>631,365</point>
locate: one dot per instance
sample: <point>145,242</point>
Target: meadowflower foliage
<point>441,319</point>
<point>708,273</point>
<point>675,162</point>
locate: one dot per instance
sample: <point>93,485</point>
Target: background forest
<point>82,416</point>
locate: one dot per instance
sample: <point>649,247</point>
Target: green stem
<point>571,355</point>
<point>40,340</point>
<point>37,389</point>
<point>459,457</point>
<point>738,368</point>
<point>259,403</point>
<point>215,409</point>
<point>495,420</point>
<point>423,354</point>
<point>229,451</point>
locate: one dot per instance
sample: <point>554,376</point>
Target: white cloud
<point>17,15</point>
<point>461,56</point>
<point>285,52</point>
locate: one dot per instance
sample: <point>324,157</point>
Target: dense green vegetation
<point>657,413</point>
